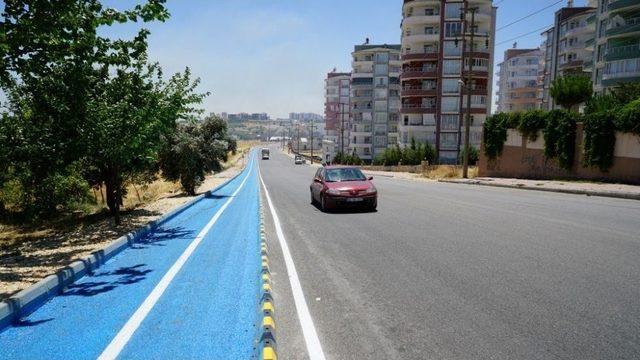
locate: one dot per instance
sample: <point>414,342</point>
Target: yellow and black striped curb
<point>268,326</point>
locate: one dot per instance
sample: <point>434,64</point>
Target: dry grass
<point>448,172</point>
<point>29,252</point>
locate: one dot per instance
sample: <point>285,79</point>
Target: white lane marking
<point>306,322</point>
<point>123,337</point>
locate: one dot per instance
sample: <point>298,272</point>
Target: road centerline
<point>314,348</point>
<point>124,335</point>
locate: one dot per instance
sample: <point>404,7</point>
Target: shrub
<point>628,118</point>
<point>560,137</point>
<point>530,123</point>
<point>599,139</point>
<point>473,155</point>
<point>495,134</point>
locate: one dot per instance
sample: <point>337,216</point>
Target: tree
<point>131,112</point>
<point>193,151</point>
<point>52,64</point>
<point>571,90</point>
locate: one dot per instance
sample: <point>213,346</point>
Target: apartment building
<point>568,46</point>
<point>436,52</point>
<point>518,80</point>
<point>375,99</point>
<point>336,113</point>
<point>617,43</point>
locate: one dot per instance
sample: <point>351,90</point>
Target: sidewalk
<point>570,187</point>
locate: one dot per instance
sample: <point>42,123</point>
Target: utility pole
<point>312,140</point>
<point>467,123</point>
<point>298,126</point>
<point>467,85</point>
<point>342,128</point>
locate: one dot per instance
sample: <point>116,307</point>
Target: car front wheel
<point>323,203</point>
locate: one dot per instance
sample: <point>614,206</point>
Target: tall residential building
<point>617,43</point>
<point>375,99</point>
<point>569,49</point>
<point>518,80</point>
<point>336,113</point>
<point>434,67</point>
<point>544,75</point>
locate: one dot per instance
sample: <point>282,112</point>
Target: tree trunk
<point>113,196</point>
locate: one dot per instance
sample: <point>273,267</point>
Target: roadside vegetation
<point>86,112</point>
<point>414,154</point>
<point>603,116</point>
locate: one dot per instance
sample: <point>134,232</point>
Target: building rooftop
<point>383,46</point>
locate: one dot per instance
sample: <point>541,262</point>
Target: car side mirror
<point>370,178</point>
<point>317,180</point>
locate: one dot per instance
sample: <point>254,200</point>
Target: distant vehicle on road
<point>299,160</point>
<point>265,154</point>
<point>340,186</point>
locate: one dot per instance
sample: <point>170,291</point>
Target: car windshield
<point>344,174</point>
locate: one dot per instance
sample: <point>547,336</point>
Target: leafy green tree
<point>52,65</point>
<point>571,90</point>
<point>193,151</point>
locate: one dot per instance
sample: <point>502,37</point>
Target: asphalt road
<point>447,271</point>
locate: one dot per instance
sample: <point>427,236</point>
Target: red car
<point>335,186</point>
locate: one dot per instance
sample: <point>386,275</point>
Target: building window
<point>451,67</point>
<point>451,104</point>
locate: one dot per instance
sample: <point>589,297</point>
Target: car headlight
<point>371,190</point>
<point>333,192</point>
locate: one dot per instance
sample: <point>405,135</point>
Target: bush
<point>560,137</point>
<point>473,155</point>
<point>628,118</point>
<point>495,134</point>
<point>599,139</point>
<point>414,154</point>
<point>347,159</point>
<point>530,123</point>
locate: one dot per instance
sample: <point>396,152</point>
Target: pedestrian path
<point>188,289</point>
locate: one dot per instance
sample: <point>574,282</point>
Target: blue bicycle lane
<point>208,310</point>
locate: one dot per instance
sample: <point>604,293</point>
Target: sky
<point>273,55</point>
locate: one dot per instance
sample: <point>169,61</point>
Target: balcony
<point>630,25</point>
<point>627,70</point>
<point>420,38</point>
<point>423,72</point>
<point>621,4</point>
<point>622,52</point>
<point>418,90</point>
<point>571,64</point>
<point>423,55</point>
<point>421,19</point>
<point>418,109</point>
<point>475,90</point>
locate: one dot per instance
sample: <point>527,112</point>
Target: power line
<point>530,15</point>
<point>523,35</point>
<point>498,3</point>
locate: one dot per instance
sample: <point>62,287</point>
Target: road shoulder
<point>620,191</point>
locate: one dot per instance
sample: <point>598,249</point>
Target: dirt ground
<point>29,253</point>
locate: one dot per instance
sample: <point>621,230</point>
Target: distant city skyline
<point>273,56</point>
